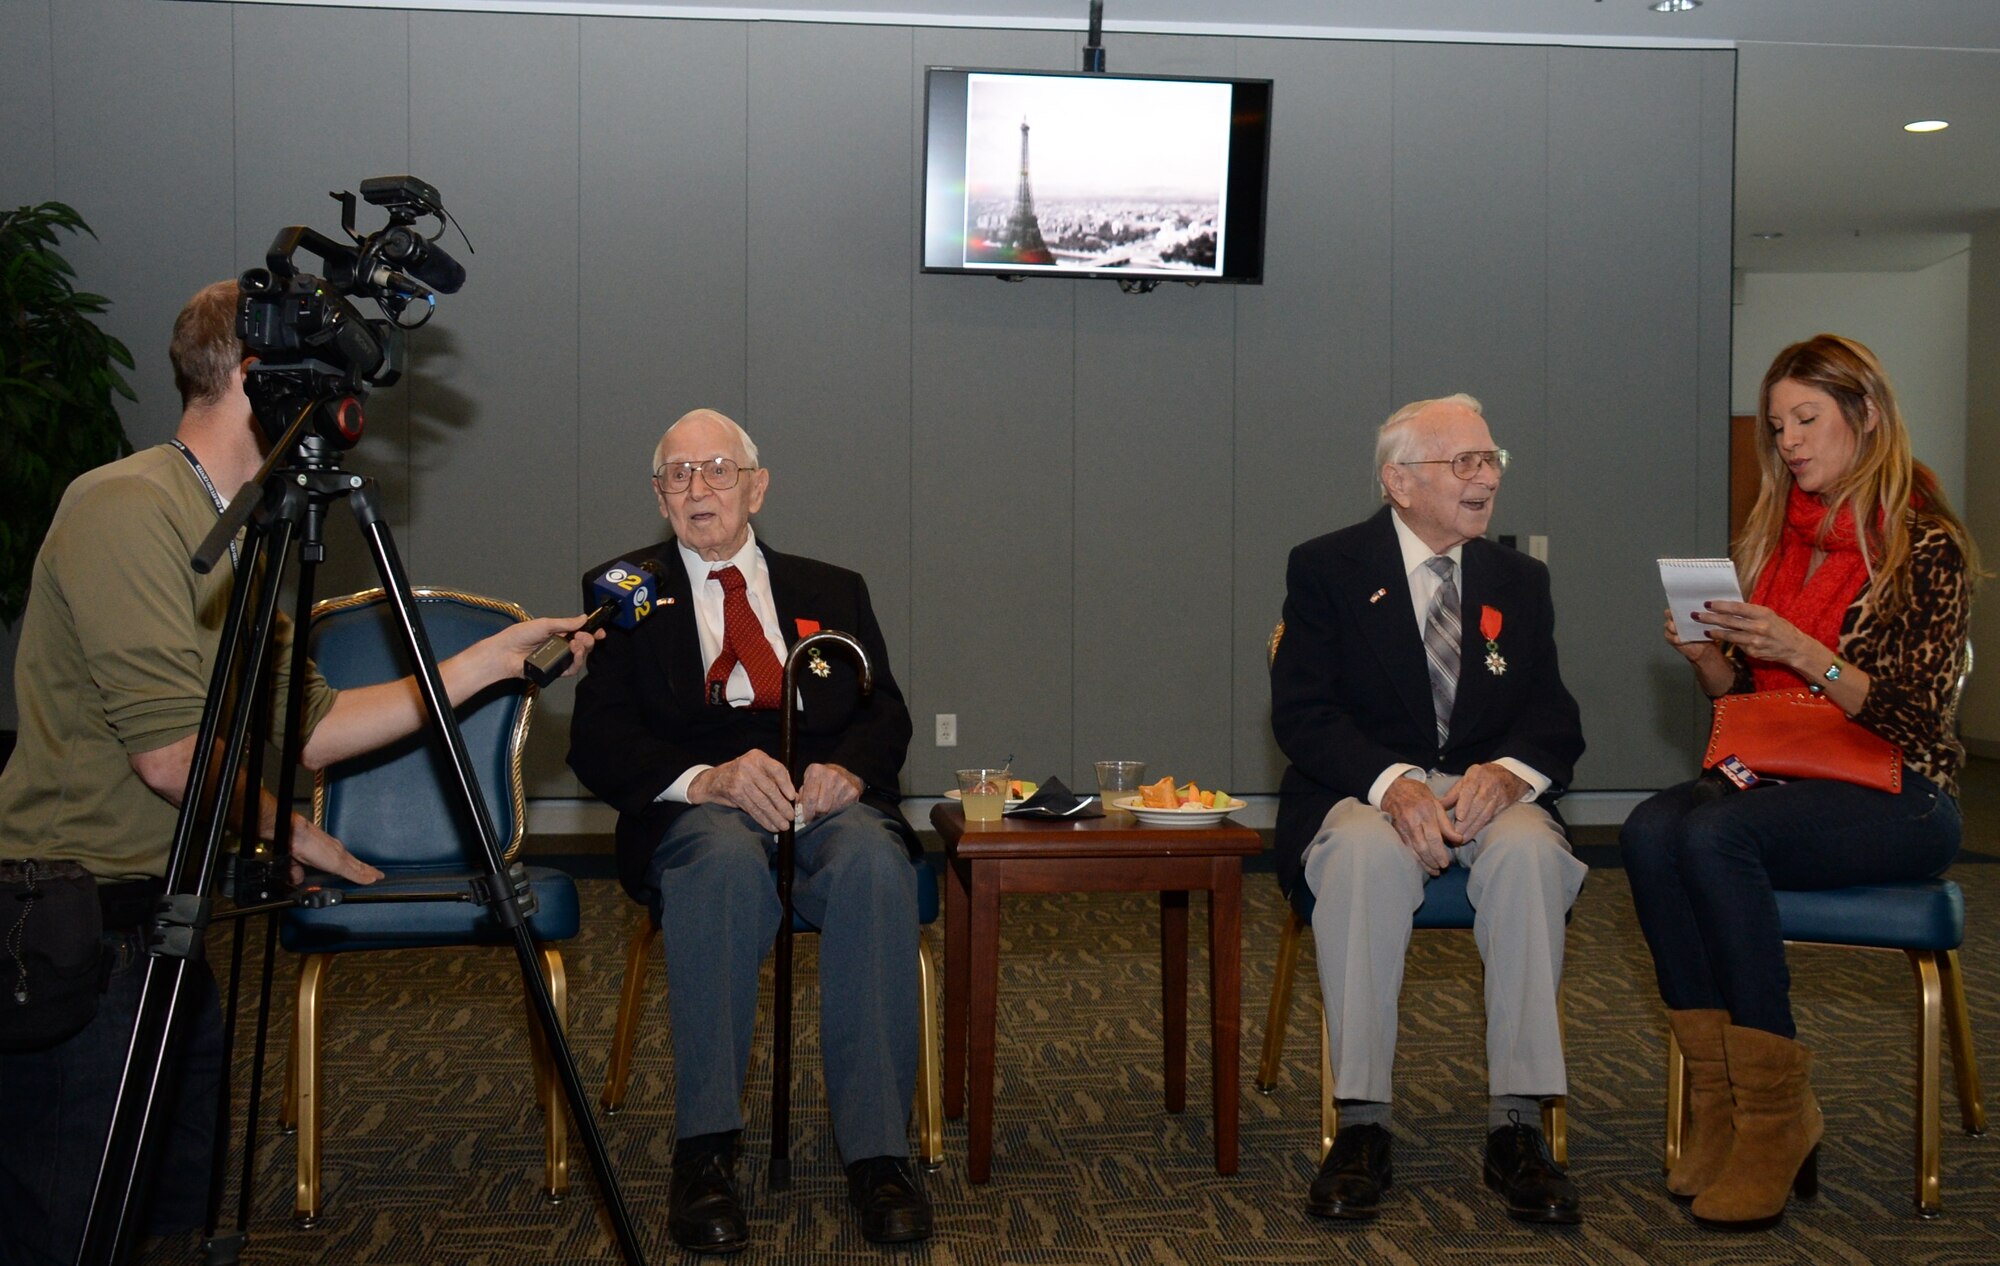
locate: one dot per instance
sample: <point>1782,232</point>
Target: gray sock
<point>1525,1108</point>
<point>1363,1112</point>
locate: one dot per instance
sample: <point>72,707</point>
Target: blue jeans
<point>718,911</point>
<point>55,1113</point>
<point>1704,865</point>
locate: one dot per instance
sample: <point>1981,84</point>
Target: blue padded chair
<point>930,1076</point>
<point>1925,920</point>
<point>1445,906</point>
<point>390,809</point>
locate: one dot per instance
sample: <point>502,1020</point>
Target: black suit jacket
<point>1350,689</point>
<point>642,717</point>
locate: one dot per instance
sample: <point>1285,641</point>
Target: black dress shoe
<point>1519,1167</point>
<point>703,1212</point>
<point>885,1192</point>
<point>1353,1176</point>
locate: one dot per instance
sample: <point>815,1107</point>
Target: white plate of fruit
<point>1167,803</point>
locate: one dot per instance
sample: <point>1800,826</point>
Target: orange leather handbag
<point>1797,734</point>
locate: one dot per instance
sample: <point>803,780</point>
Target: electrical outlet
<point>1538,548</point>
<point>947,729</point>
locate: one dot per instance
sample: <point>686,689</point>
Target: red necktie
<point>743,642</point>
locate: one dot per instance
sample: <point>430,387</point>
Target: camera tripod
<point>283,506</point>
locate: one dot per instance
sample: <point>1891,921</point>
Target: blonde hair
<point>1882,485</point>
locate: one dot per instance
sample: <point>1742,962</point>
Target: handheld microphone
<point>625,597</point>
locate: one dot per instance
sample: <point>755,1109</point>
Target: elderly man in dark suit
<point>676,727</point>
<point>1416,694</point>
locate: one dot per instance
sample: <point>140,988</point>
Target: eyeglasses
<point>719,473</point>
<point>1465,465</point>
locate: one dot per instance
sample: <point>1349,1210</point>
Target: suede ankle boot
<point>1778,1128</point>
<point>1710,1130</point>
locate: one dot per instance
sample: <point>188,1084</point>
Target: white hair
<point>749,445</point>
<point>1397,440</point>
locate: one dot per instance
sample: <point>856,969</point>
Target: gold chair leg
<point>631,1001</point>
<point>1281,1003</point>
<point>306,1086</point>
<point>1555,1108</point>
<point>1678,1086</point>
<point>1329,1106</point>
<point>930,1074</point>
<point>548,1086</point>
<point>1930,995</point>
<point>1964,1064</point>
<point>288,1103</point>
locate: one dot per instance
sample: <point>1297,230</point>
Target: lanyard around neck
<point>209,485</point>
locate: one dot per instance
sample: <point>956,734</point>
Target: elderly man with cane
<point>677,726</point>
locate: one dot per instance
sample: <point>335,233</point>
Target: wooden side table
<point>1109,854</point>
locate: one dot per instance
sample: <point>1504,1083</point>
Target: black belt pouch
<point>52,953</point>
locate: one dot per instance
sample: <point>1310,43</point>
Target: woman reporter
<point>1874,618</point>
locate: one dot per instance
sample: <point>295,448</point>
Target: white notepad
<point>1689,583</point>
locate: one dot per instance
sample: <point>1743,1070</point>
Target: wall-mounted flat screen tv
<point>1040,173</point>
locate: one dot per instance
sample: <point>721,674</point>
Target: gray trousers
<point>719,913</point>
<point>1366,887</point>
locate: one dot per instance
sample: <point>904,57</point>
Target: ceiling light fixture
<point>1926,125</point>
<point>1674,6</point>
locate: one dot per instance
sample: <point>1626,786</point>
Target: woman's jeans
<point>1704,861</point>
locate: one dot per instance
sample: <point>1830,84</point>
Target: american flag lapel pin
<point>1373,598</point>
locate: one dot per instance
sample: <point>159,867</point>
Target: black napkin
<point>1053,800</point>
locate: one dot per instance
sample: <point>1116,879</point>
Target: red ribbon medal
<point>1489,628</point>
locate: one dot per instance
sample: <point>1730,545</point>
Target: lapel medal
<point>1489,628</point>
<point>1376,597</point>
<point>815,665</point>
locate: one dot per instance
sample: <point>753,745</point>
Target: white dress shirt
<point>709,623</point>
<point>1424,584</point>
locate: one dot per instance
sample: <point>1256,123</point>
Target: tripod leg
<point>443,725</point>
<point>161,1022</point>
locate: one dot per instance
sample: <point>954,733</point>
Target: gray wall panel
<point>142,128</point>
<point>662,257</point>
<point>1713,313</point>
<point>1471,294</point>
<point>1312,346</point>
<point>288,158</point>
<point>495,493</point>
<point>832,158</point>
<point>27,102</point>
<point>991,481</point>
<point>1156,483</point>
<point>1622,389</point>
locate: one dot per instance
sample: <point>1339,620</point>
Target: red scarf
<point>1817,605</point>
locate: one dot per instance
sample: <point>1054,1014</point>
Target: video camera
<point>313,347</point>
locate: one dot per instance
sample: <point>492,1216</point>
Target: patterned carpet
<point>433,1148</point>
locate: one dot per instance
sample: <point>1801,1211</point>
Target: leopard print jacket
<point>1914,657</point>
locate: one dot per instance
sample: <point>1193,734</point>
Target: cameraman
<point>117,645</point>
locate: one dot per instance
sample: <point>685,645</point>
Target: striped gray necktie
<point>1441,639</point>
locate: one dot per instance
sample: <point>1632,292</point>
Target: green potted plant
<point>57,375</point>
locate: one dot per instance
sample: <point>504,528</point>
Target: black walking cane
<point>781,1026</point>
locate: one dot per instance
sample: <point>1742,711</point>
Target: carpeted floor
<point>433,1149</point>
